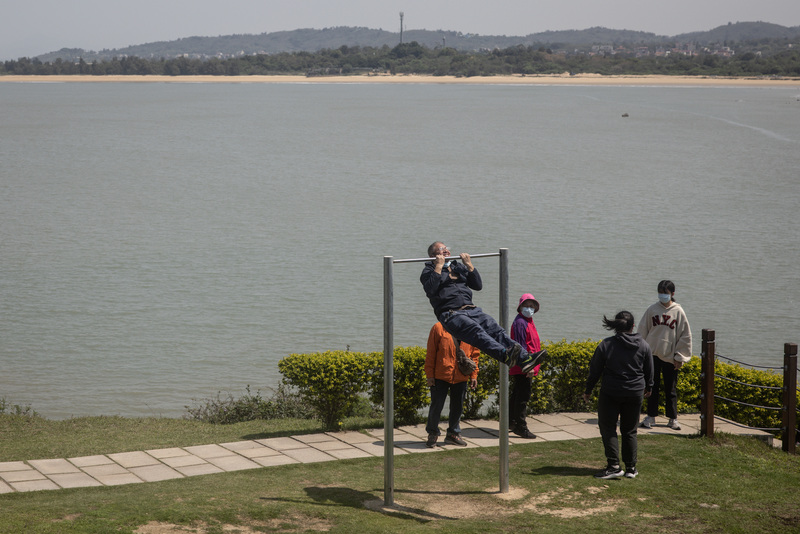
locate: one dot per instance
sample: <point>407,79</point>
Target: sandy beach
<point>557,79</point>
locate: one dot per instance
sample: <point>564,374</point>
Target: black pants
<point>626,409</point>
<point>518,402</point>
<point>667,371</point>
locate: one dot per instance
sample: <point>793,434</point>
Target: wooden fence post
<point>707,356</point>
<point>788,435</point>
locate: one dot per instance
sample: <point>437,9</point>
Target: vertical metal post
<point>388,382</point>
<point>503,374</point>
<point>708,354</point>
<point>789,436</point>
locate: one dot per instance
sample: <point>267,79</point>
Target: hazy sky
<point>32,27</point>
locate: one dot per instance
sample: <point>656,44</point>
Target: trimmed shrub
<point>488,384</point>
<point>411,393</point>
<point>565,370</point>
<point>741,413</point>
<point>329,381</point>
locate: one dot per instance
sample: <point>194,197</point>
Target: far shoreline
<point>549,79</point>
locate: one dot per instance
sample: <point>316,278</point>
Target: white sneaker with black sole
<point>648,422</point>
<point>673,424</point>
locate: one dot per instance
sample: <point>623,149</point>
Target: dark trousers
<point>438,395</point>
<point>479,330</point>
<point>626,409</point>
<point>667,371</point>
<point>518,401</point>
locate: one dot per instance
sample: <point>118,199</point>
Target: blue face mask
<point>447,264</point>
<point>527,312</point>
<point>665,298</point>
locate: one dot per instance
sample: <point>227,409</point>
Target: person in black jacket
<point>449,285</point>
<point>625,362</point>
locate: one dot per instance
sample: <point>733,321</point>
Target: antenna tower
<point>401,27</point>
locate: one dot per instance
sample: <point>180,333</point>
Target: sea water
<point>160,243</point>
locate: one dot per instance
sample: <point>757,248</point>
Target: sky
<point>29,28</point>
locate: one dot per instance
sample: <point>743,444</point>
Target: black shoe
<point>512,355</point>
<point>454,439</point>
<point>610,472</point>
<point>524,433</point>
<point>432,439</point>
<point>631,472</point>
<point>532,361</point>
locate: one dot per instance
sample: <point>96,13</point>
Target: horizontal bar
<point>410,260</point>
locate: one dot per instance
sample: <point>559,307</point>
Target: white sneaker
<point>673,424</point>
<point>648,421</point>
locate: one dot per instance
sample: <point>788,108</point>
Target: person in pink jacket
<point>523,331</point>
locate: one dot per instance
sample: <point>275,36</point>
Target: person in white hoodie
<point>666,329</point>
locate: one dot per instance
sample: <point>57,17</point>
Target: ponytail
<point>621,323</point>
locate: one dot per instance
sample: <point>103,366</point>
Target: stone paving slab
<point>200,469</point>
<point>349,453</point>
<point>25,475</point>
<point>13,466</point>
<point>183,461</point>
<point>74,480</point>
<point>133,459</point>
<point>53,467</point>
<point>88,461</point>
<point>353,437</point>
<point>282,444</point>
<point>176,462</point>
<point>308,455</point>
<point>207,452</point>
<point>155,473</point>
<point>271,461</point>
<point>233,463</point>
<point>35,485</point>
<point>167,453</point>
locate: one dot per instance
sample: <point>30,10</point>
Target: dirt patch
<point>570,504</point>
<point>288,524</point>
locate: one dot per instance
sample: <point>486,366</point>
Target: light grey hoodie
<point>667,331</point>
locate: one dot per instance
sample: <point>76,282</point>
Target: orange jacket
<point>440,360</point>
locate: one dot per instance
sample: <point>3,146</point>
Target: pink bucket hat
<point>528,296</point>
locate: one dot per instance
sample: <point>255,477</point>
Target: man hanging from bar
<point>449,285</point>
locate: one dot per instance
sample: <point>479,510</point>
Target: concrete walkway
<point>179,462</point>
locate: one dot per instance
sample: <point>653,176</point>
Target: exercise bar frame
<point>388,370</point>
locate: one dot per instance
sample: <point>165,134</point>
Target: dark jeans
<point>479,330</point>
<point>438,396</point>
<point>670,375</point>
<point>518,401</point>
<point>626,409</point>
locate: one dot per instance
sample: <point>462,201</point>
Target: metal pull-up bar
<point>388,370</point>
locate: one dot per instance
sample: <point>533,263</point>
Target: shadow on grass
<point>564,471</point>
<point>340,496</point>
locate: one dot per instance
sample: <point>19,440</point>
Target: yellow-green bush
<point>565,371</point>
<point>747,415</point>
<point>488,380</point>
<point>411,392</point>
<point>330,381</point>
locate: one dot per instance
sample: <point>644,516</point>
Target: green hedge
<point>333,383</point>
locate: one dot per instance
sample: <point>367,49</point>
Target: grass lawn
<point>686,484</point>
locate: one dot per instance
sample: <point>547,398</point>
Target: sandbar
<point>554,79</point>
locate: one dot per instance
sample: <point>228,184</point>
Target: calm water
<point>163,242</point>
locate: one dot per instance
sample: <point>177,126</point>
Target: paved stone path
<point>179,462</point>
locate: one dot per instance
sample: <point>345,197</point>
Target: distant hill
<point>742,32</point>
<point>312,40</point>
